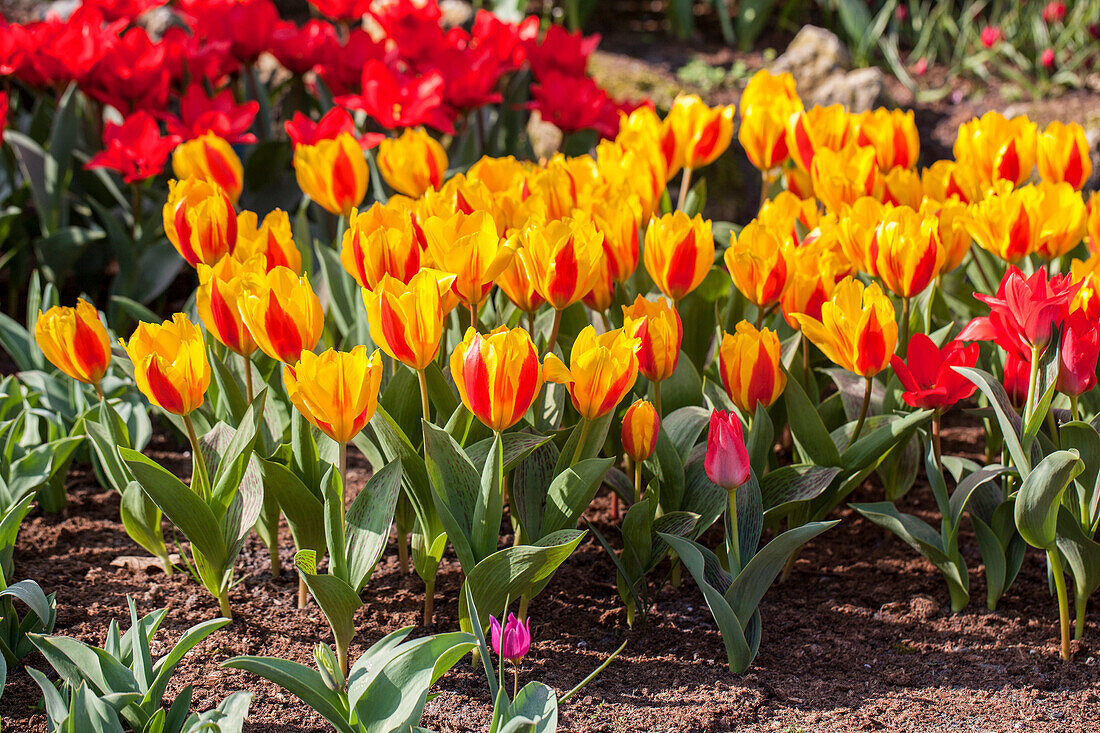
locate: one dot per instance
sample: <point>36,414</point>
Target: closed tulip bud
<point>727,458</point>
<point>469,246</point>
<point>219,297</point>
<point>75,341</point>
<point>640,171</point>
<point>199,221</point>
<point>619,219</point>
<point>814,130</point>
<point>659,351</point>
<point>498,376</point>
<point>750,367</point>
<point>1062,219</point>
<point>642,128</point>
<point>768,91</point>
<point>337,391</point>
<point>170,364</point>
<point>841,177</point>
<point>333,173</point>
<point>406,320</point>
<point>763,135</point>
<point>702,133</point>
<point>679,252</point>
<point>1006,223</point>
<point>602,369</point>
<point>283,314</point>
<point>565,259</point>
<point>514,640</point>
<point>210,158</point>
<point>906,253</point>
<point>380,241</point>
<point>412,163</point>
<point>1092,222</point>
<point>757,262</point>
<point>997,149</point>
<point>1063,154</point>
<point>1078,354</point>
<point>954,239</point>
<point>272,239</point>
<point>516,282</point>
<point>858,329</point>
<point>641,425</point>
<point>893,135</point>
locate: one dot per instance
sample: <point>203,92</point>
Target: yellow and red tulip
<point>222,289</point>
<point>893,135</point>
<point>1092,222</point>
<point>841,177</point>
<point>381,241</point>
<point>997,149</point>
<point>412,163</point>
<point>1005,223</point>
<point>954,239</point>
<point>517,283</point>
<point>406,320</point>
<point>858,328</point>
<point>468,246</point>
<point>641,426</point>
<point>659,350</point>
<point>642,128</point>
<point>199,221</point>
<point>333,173</point>
<point>1063,155</point>
<point>757,262</point>
<point>770,92</point>
<point>945,180</point>
<point>906,253</point>
<point>75,341</point>
<point>211,159</point>
<point>283,314</point>
<point>702,133</point>
<point>602,369</point>
<point>750,367</point>
<point>170,364</point>
<point>498,376</point>
<point>272,239</point>
<point>679,252</point>
<point>337,391</point>
<point>811,131</point>
<point>1063,219</point>
<point>565,257</point>
<point>619,219</point>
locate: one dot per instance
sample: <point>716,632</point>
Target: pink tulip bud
<point>1078,355</point>
<point>1047,58</point>
<point>991,35</point>
<point>921,67</point>
<point>514,640</point>
<point>901,13</point>
<point>727,460</point>
<point>1054,11</point>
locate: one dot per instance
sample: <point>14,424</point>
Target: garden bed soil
<point>859,639</point>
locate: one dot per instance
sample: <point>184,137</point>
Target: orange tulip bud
<point>273,240</point>
<point>380,241</point>
<point>641,426</point>
<point>1063,155</point>
<point>997,149</point>
<point>337,391</point>
<point>406,320</point>
<point>905,253</point>
<point>412,163</point>
<point>679,252</point>
<point>858,329</point>
<point>218,299</point>
<point>199,221</point>
<point>757,262</point>
<point>170,364</point>
<point>211,159</point>
<point>283,314</point>
<point>750,367</point>
<point>333,173</point>
<point>659,351</point>
<point>498,376</point>
<point>602,369</point>
<point>75,341</point>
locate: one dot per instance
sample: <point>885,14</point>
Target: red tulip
<point>1024,312</point>
<point>300,49</point>
<point>396,100</point>
<point>575,103</point>
<point>221,115</point>
<point>471,73</point>
<point>342,69</point>
<point>1047,58</point>
<point>559,52</point>
<point>135,148</point>
<point>342,9</point>
<point>131,73</point>
<point>193,58</point>
<point>991,36</point>
<point>1017,376</point>
<point>1054,11</point>
<point>489,31</point>
<point>512,641</point>
<point>304,131</point>
<point>928,376</point>
<point>127,10</point>
<point>727,459</point>
<point>414,27</point>
<point>1077,357</point>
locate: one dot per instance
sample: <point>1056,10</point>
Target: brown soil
<point>859,639</point>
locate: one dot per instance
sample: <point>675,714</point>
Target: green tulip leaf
<point>1040,495</point>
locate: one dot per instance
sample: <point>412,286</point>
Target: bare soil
<point>861,638</point>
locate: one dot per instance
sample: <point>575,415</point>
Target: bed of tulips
<point>502,337</point>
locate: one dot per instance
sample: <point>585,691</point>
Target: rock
<point>819,62</point>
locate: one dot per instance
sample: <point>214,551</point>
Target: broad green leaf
<point>571,492</point>
<point>456,490</point>
<point>517,446</point>
<point>869,449</point>
<point>1007,418</point>
<point>810,434</point>
<point>337,599</point>
<point>304,683</point>
<point>368,523</point>
<point>1040,496</point>
<point>795,483</point>
<point>304,512</point>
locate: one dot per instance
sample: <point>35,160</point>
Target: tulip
<point>283,314</point>
<point>337,391</point>
<point>768,91</point>
<point>1063,154</point>
<point>619,220</point>
<point>856,231</point>
<point>272,239</point>
<point>1006,223</point>
<point>1092,222</point>
<point>789,216</point>
<point>659,350</point>
<point>893,135</point>
<point>757,263</point>
<point>841,177</point>
<point>997,149</point>
<point>220,115</point>
<point>763,135</point>
<point>406,320</point>
<point>641,425</point>
<point>500,175</point>
<point>498,376</point>
<point>906,254</point>
<point>412,163</point>
<point>642,128</point>
<point>638,172</point>
<point>727,465</point>
<point>945,180</point>
<point>514,640</point>
<point>901,187</point>
<point>928,373</point>
<point>304,131</point>
<point>1023,313</point>
<point>210,158</point>
<point>602,369</point>
<point>702,133</point>
<point>516,282</point>
<point>221,292</point>
<point>75,341</point>
<point>135,148</point>
<point>810,282</point>
<point>991,36</point>
<point>750,367</point>
<point>564,256</point>
<point>199,221</point>
<point>602,293</point>
<point>333,173</point>
<point>954,239</point>
<point>679,252</point>
<point>857,330</point>
<point>1054,11</point>
<point>1062,219</point>
<point>381,241</point>
<point>1077,357</point>
<point>469,246</point>
<point>170,364</point>
<point>1017,373</point>
<point>814,130</point>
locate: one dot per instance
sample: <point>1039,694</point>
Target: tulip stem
<point>637,482</point>
<point>1073,407</point>
<point>247,377</point>
<point>200,475</point>
<point>733,539</point>
<point>99,394</point>
<point>552,342</point>
<point>765,186</point>
<point>862,413</point>
<point>586,427</point>
<point>515,679</point>
<point>135,211</point>
<point>303,592</point>
<point>521,611</point>
<point>936,450</point>
<point>657,398</point>
<point>904,325</point>
<point>424,405</point>
<point>1032,386</point>
<point>1063,599</point>
<point>342,467</point>
<point>981,271</point>
<point>429,601</point>
<point>685,186</point>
